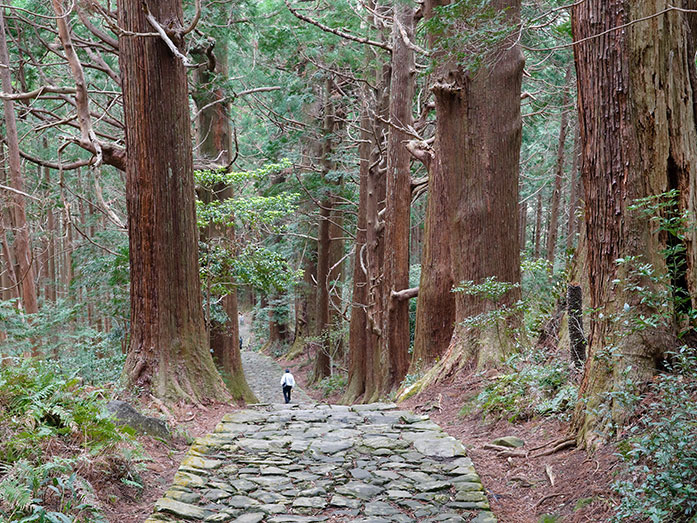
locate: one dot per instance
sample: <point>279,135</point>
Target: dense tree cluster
<point>400,189</point>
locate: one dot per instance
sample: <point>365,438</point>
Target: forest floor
<point>570,485</point>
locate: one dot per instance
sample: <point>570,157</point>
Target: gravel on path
<point>264,377</point>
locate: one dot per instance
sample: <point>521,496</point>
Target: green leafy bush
<point>332,384</point>
<point>533,388</point>
<point>660,453</point>
<point>95,356</point>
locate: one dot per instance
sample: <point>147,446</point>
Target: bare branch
<point>96,31</point>
<point>167,40</point>
<point>37,92</point>
<point>194,21</point>
<point>336,32</point>
<point>405,294</point>
<point>51,165</point>
<point>81,97</point>
<point>17,191</point>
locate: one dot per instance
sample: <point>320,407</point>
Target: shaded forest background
<point>402,195</point>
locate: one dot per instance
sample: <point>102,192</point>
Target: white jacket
<point>287,379</point>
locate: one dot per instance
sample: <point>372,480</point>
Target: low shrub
<point>332,384</point>
<point>532,388</point>
<point>660,483</point>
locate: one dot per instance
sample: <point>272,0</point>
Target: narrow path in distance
<point>264,378</point>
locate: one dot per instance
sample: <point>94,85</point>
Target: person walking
<point>287,383</point>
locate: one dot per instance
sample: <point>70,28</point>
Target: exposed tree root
<point>561,446</point>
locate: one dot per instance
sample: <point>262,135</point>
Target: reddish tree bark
<point>395,324</point>
<point>634,145</point>
<point>358,335</point>
<point>478,132</point>
<point>168,354</point>
<point>435,309</point>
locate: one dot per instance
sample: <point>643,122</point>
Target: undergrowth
<point>55,437</point>
<point>660,454</point>
<point>534,386</point>
<point>332,384</point>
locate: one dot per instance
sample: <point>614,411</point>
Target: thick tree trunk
<point>395,324</point>
<point>634,146</point>
<point>558,175</point>
<point>22,243</point>
<point>478,133</point>
<point>168,353</point>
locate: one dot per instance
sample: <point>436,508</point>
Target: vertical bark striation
<point>638,136</point>
<point>435,308</point>
<point>168,353</point>
<point>478,134</point>
<point>395,339</point>
<point>25,273</point>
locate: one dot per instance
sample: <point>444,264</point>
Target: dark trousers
<point>286,392</point>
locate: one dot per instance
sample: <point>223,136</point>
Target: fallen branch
<point>550,475</point>
<point>548,496</point>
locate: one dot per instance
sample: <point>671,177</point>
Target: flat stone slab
<point>278,463</point>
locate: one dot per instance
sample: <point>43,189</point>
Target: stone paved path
<point>311,463</point>
<point>264,377</point>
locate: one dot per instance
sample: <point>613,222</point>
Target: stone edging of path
<point>313,463</point>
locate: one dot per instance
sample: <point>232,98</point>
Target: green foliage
<point>490,288</point>
<point>660,484</point>
<point>534,387</point>
<point>41,408</point>
<point>93,354</point>
<point>332,384</point>
<point>468,31</point>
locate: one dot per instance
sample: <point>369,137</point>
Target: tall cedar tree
<point>168,353</point>
<point>435,308</point>
<point>478,137</point>
<point>395,310</point>
<point>638,139</point>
